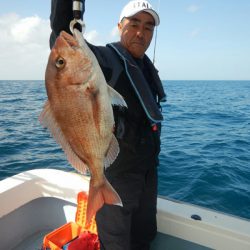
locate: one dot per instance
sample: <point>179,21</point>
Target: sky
<point>196,39</point>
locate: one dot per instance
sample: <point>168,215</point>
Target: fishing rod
<point>78,10</point>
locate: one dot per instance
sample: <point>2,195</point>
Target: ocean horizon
<point>205,151</point>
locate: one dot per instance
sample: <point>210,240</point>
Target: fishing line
<point>156,31</point>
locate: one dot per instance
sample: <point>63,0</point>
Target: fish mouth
<point>66,40</point>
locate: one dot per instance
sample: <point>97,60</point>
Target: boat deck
<point>51,209</point>
<point>162,242</point>
<point>167,242</point>
<point>32,242</point>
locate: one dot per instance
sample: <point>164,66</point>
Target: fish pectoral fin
<point>100,195</point>
<point>116,98</point>
<point>48,120</point>
<point>112,152</point>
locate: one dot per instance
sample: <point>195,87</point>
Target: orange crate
<point>61,236</point>
<point>80,218</point>
<point>68,232</point>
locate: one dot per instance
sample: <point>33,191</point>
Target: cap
<point>135,6</point>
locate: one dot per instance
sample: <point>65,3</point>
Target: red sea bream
<point>79,114</point>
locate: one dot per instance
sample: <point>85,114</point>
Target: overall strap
<point>139,84</point>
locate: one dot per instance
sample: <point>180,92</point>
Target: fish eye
<point>60,63</point>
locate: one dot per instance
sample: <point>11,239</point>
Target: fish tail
<point>104,193</point>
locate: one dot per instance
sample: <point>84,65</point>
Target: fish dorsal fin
<point>116,98</point>
<point>112,153</point>
<point>48,120</point>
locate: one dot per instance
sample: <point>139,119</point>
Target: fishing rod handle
<point>78,9</point>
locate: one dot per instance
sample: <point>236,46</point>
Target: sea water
<point>205,151</point>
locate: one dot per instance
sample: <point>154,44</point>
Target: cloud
<point>115,33</point>
<point>93,37</point>
<point>22,31</point>
<point>24,47</point>
<point>193,8</point>
<point>194,33</point>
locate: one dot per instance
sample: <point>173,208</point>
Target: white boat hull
<point>35,202</point>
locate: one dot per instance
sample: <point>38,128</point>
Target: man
<point>134,173</point>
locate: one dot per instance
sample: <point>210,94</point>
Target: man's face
<point>136,33</point>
